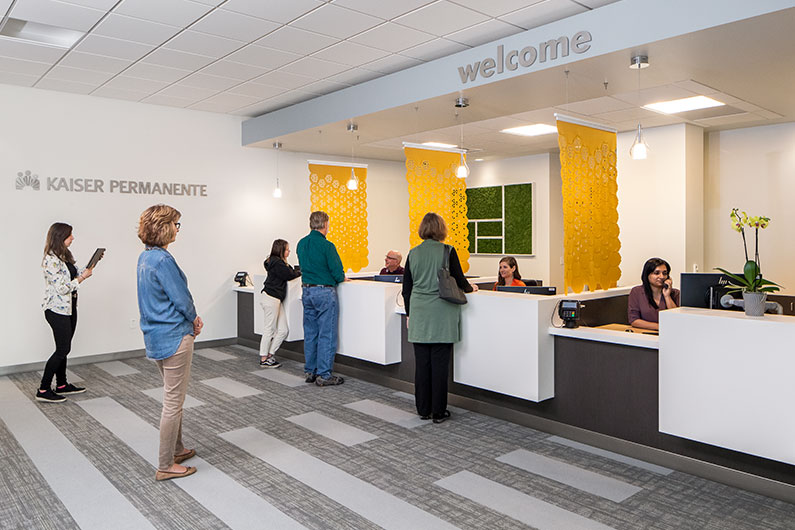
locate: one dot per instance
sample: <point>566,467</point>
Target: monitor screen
<point>704,289</point>
<point>528,290</point>
<point>392,278</point>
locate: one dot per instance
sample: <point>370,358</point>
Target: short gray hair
<point>317,220</point>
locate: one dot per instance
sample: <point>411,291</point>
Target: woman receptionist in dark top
<point>647,300</point>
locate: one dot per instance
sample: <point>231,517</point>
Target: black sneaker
<point>69,388</point>
<point>329,381</point>
<point>48,396</point>
<point>270,362</point>
<point>310,378</point>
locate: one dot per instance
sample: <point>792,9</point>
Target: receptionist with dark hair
<point>508,273</point>
<point>656,294</point>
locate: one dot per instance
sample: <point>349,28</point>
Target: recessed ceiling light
<point>684,104</point>
<point>41,33</point>
<point>531,130</point>
<point>439,144</point>
<point>478,160</point>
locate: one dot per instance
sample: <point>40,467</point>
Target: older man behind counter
<point>392,262</point>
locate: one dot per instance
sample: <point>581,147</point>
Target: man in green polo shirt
<point>321,270</point>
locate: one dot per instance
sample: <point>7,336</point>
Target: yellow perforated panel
<point>347,210</point>
<point>433,187</point>
<point>590,207</point>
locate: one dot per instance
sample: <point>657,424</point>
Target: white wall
<point>653,198</point>
<point>57,134</point>
<point>535,169</point>
<point>752,169</point>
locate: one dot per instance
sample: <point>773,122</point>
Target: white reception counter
<point>726,380</point>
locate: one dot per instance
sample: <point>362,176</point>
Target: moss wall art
<point>501,219</point>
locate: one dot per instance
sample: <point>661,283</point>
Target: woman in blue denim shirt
<point>170,325</point>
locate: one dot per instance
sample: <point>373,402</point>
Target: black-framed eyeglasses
<point>177,225</point>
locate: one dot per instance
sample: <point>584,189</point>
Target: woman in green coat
<point>434,324</point>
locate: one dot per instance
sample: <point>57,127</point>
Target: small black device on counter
<point>392,278</point>
<point>569,312</point>
<point>241,278</point>
<point>547,291</point>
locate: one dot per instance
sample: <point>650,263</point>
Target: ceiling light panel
<point>276,10</point>
<point>179,13</point>
<point>543,13</point>
<point>133,29</point>
<point>392,38</point>
<point>233,25</point>
<point>440,144</point>
<point>57,14</point>
<point>36,33</point>
<point>684,105</point>
<point>296,40</point>
<point>538,129</point>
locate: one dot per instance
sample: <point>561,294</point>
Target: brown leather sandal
<point>167,475</point>
<point>178,459</point>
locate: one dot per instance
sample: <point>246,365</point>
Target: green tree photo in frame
<point>501,219</point>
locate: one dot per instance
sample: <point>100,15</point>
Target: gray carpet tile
<point>404,463</point>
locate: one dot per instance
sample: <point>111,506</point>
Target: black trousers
<point>63,329</point>
<point>432,368</point>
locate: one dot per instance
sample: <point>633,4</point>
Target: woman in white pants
<point>275,288</point>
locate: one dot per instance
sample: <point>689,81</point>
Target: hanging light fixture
<point>462,171</point>
<point>277,192</point>
<point>353,182</point>
<point>639,149</point>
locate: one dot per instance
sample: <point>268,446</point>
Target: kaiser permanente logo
<point>526,57</point>
<point>26,179</point>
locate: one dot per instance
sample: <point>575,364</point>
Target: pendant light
<point>277,192</point>
<point>639,149</point>
<point>353,182</point>
<point>462,171</point>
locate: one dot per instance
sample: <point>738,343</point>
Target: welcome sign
<point>512,59</point>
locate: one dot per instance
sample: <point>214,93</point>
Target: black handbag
<point>448,287</point>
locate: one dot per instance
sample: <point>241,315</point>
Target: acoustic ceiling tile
<point>92,61</point>
<point>233,25</point>
<point>263,57</point>
<point>179,13</point>
<point>156,72</point>
<point>441,18</point>
<point>134,29</point>
<point>29,51</point>
<point>295,40</point>
<point>177,59</point>
<point>384,10</point>
<point>543,13</point>
<point>111,47</point>
<point>234,70</point>
<point>336,21</point>
<point>350,53</point>
<point>65,86</point>
<point>203,44</point>
<point>277,10</point>
<point>484,32</point>
<point>392,37</point>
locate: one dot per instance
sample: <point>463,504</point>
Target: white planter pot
<point>754,304</point>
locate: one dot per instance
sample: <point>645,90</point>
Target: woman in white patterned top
<point>61,279</point>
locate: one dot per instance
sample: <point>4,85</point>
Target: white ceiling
<point>248,57</point>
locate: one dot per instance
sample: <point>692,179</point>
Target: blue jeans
<point>321,312</point>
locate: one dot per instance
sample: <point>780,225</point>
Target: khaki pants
<point>176,373</point>
<point>275,330</point>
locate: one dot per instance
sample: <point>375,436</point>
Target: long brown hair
<point>511,261</point>
<point>278,248</point>
<point>56,236</point>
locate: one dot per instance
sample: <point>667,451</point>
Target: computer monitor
<point>703,289</point>
<point>391,278</point>
<point>533,283</point>
<point>528,290</point>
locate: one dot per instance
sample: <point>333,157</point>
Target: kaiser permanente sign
<point>526,57</point>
